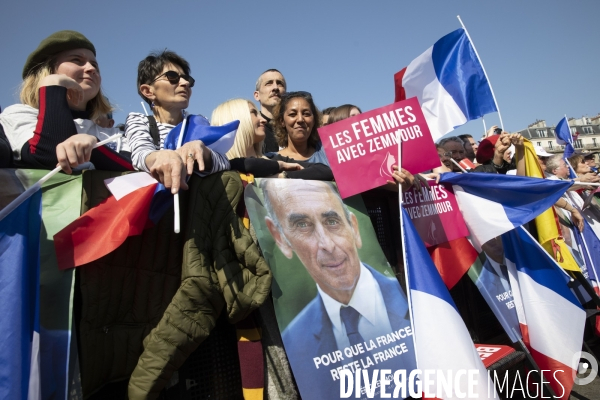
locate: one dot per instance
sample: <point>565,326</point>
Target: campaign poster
<point>435,213</point>
<point>362,149</point>
<point>337,301</point>
<point>491,278</point>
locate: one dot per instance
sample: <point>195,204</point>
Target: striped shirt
<point>137,131</point>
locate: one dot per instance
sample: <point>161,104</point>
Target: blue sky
<point>541,55</point>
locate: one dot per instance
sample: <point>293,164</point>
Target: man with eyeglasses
<point>269,88</point>
<point>454,145</point>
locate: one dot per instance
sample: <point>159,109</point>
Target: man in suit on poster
<point>354,304</point>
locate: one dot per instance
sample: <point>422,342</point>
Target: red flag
<point>453,259</point>
<point>103,228</point>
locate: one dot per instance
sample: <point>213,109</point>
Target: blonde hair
<point>237,109</point>
<point>30,92</point>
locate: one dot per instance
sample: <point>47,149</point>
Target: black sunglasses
<point>173,77</point>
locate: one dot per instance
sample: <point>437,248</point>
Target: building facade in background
<point>588,139</point>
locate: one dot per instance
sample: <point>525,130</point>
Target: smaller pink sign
<point>362,149</point>
<point>435,214</point>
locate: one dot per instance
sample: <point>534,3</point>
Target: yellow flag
<point>547,222</point>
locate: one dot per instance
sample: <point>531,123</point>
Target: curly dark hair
<point>278,124</point>
<point>152,66</point>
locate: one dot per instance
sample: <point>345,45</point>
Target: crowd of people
<point>63,115</point>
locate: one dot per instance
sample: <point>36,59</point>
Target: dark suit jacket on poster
<point>310,335</point>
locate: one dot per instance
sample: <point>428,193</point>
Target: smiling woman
<point>295,121</point>
<point>60,97</point>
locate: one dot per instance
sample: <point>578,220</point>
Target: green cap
<point>54,44</point>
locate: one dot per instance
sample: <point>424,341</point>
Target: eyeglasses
<point>173,77</point>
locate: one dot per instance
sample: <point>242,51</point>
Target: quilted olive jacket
<point>158,297</point>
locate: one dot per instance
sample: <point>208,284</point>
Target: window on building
<point>542,133</point>
<point>573,130</point>
<point>588,129</point>
<point>579,144</point>
<point>550,145</point>
<point>539,144</point>
<point>594,142</point>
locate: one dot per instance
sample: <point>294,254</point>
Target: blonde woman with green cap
<point>60,98</point>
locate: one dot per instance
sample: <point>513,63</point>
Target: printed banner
<point>337,301</point>
<point>362,149</point>
<point>435,214</point>
<point>491,278</point>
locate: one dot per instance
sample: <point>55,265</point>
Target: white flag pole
<point>402,236</point>
<point>38,185</point>
<point>144,107</point>
<point>485,73</point>
<point>177,227</point>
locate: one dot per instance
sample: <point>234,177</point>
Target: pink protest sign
<point>362,149</point>
<point>435,214</point>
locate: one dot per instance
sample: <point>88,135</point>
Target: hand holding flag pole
<point>34,188</point>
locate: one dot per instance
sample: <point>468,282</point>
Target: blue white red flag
<point>494,204</point>
<point>442,341</point>
<point>552,320</point>
<point>217,138</point>
<point>450,83</point>
<point>20,296</point>
<point>564,136</point>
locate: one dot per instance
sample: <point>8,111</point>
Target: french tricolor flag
<point>449,82</point>
<point>217,138</point>
<point>442,341</point>
<point>493,204</point>
<point>552,320</point>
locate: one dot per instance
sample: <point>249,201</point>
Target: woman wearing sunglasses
<point>295,122</point>
<point>164,82</point>
<point>60,97</point>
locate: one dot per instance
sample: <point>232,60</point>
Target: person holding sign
<point>359,318</point>
<point>295,121</point>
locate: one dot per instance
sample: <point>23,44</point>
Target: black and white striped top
<point>137,131</point>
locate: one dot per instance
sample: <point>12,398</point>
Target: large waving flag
<point>442,341</point>
<point>547,223</point>
<point>494,204</point>
<point>552,320</point>
<point>450,83</point>
<point>217,138</point>
<point>564,136</point>
<point>20,296</point>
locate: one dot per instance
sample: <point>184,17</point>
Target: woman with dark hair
<point>342,112</point>
<point>60,97</point>
<point>295,122</point>
<point>164,82</point>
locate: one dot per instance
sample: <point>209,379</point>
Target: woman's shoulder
<point>18,109</point>
<point>135,116</point>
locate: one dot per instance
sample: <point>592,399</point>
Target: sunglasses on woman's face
<point>173,77</point>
